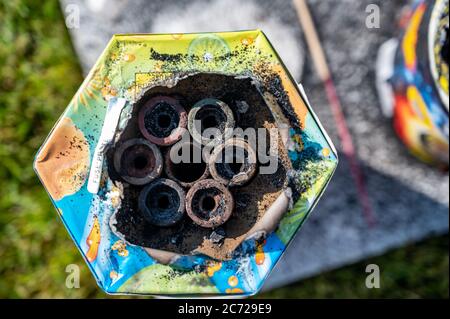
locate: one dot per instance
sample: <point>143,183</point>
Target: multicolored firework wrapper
<point>419,82</point>
<point>130,66</point>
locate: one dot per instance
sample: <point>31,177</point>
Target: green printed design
<point>161,279</point>
<point>209,52</point>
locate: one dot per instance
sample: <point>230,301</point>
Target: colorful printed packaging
<point>125,254</point>
<point>419,82</point>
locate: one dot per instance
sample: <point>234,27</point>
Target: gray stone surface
<point>100,19</point>
<point>410,199</point>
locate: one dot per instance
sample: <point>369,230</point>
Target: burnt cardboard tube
<point>162,202</point>
<point>210,114</point>
<point>138,161</point>
<point>209,203</point>
<point>233,163</point>
<point>183,163</point>
<point>162,120</point>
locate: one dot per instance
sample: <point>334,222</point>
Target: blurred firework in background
<point>419,79</point>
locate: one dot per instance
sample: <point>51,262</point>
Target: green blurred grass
<point>39,74</point>
<point>416,271</point>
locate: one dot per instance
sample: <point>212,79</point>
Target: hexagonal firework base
<point>410,198</point>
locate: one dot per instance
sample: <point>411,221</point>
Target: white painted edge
<point>112,116</point>
<point>384,71</point>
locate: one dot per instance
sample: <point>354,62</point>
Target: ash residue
<point>174,58</point>
<point>252,200</point>
<point>272,84</point>
<point>275,87</point>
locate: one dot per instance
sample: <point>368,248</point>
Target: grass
<point>39,74</point>
<point>416,271</point>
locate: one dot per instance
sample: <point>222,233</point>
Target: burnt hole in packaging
<point>214,209</point>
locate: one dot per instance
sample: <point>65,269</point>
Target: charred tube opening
<point>162,120</point>
<point>233,163</point>
<point>184,164</point>
<point>209,204</point>
<point>162,203</point>
<point>137,161</point>
<point>210,114</point>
